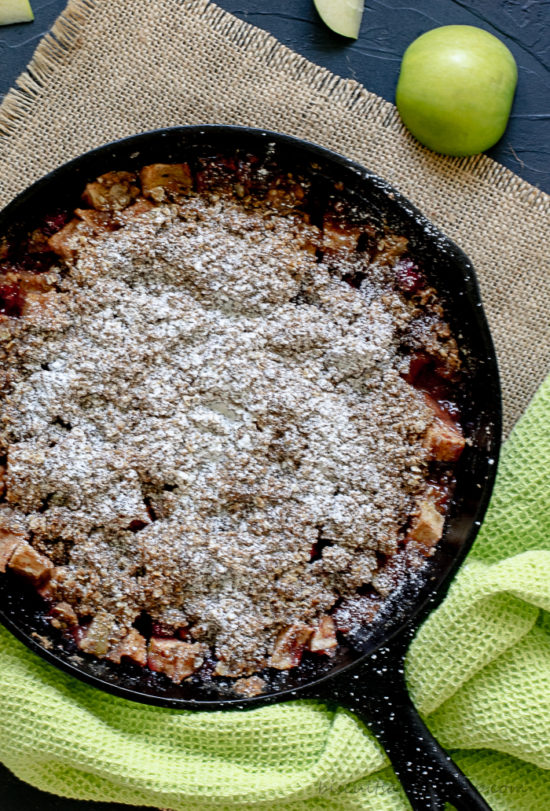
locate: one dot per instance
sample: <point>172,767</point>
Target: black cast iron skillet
<point>367,674</point>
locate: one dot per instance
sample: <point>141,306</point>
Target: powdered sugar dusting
<point>210,405</point>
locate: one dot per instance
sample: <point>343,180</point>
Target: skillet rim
<point>431,594</point>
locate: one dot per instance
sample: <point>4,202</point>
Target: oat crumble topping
<point>207,423</point>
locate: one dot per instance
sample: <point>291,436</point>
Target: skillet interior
<point>447,268</point>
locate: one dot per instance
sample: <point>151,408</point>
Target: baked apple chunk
<point>112,191</point>
<point>9,541</point>
<point>289,646</point>
<point>133,646</point>
<point>166,181</point>
<point>427,525</point>
<point>177,660</point>
<point>25,560</point>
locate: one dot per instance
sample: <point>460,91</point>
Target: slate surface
<point>388,27</point>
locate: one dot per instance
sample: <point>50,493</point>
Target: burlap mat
<point>115,68</point>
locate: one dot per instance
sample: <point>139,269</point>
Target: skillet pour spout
<point>366,677</point>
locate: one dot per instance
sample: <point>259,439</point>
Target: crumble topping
<point>208,424</point>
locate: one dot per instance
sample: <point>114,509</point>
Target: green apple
<point>456,88</point>
<point>15,11</point>
<point>341,16</point>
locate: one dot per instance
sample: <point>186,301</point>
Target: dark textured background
<point>388,27</point>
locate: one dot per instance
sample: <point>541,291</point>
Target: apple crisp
<point>222,443</point>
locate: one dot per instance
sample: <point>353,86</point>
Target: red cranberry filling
<point>424,375</point>
<point>162,630</point>
<point>54,223</point>
<point>408,276</point>
<point>11,300</point>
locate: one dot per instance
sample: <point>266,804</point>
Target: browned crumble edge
<point>228,418</point>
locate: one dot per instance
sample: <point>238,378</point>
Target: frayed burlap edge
<point>55,48</point>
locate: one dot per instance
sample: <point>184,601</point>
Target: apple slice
<point>341,16</point>
<point>15,11</point>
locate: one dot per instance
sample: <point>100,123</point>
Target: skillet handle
<point>377,694</point>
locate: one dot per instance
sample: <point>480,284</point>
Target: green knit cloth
<point>479,670</point>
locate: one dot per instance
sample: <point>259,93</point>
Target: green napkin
<point>479,670</point>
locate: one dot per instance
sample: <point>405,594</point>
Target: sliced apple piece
<point>249,687</point>
<point>175,659</point>
<point>289,646</point>
<point>341,16</point>
<point>15,11</point>
<point>427,525</point>
<point>324,636</point>
<point>25,560</point>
